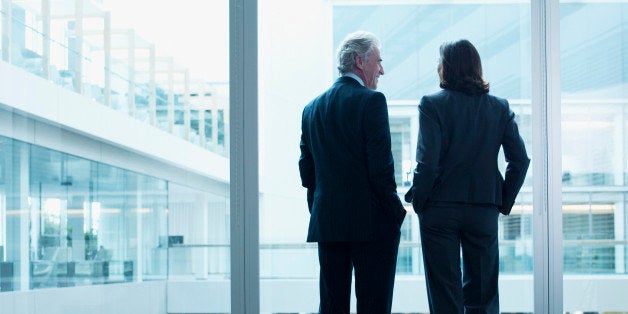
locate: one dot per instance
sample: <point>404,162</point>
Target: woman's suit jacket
<point>459,140</point>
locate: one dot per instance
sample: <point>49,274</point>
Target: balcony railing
<point>71,44</point>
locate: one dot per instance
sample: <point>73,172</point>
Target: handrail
<point>309,245</point>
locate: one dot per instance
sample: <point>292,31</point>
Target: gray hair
<point>360,43</point>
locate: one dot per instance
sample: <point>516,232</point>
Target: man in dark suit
<point>346,165</point>
<point>457,189</point>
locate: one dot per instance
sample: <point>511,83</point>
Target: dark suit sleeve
<point>427,155</point>
<point>306,168</point>
<point>518,162</point>
<point>379,157</point>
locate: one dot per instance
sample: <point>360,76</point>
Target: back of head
<point>460,68</point>
<point>360,43</point>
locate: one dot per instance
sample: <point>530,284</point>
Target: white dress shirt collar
<point>355,77</point>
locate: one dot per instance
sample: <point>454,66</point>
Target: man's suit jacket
<point>459,141</point>
<point>347,165</point>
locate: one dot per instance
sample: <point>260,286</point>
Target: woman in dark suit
<point>458,191</point>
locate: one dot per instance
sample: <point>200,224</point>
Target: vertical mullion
<point>244,157</point>
<point>539,164</point>
<point>555,212</point>
<point>548,253</point>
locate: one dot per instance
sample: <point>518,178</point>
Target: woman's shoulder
<point>497,99</point>
<point>437,95</point>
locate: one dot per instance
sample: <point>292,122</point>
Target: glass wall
<point>594,86</point>
<point>411,35</point>
<point>69,221</point>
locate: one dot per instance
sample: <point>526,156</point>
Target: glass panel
<point>411,34</point>
<point>198,245</point>
<point>26,40</point>
<point>50,241</point>
<point>594,85</point>
<point>13,211</point>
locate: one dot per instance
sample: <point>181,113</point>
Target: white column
<point>226,121</point>
<point>78,34</point>
<point>244,157</point>
<point>618,145</point>
<point>200,257</point>
<point>107,54</point>
<point>186,113</point>
<point>170,96</point>
<point>7,19</point>
<point>214,114</point>
<point>131,69</point>
<point>25,211</point>
<point>546,124</point>
<point>45,21</point>
<point>201,124</point>
<point>140,230</point>
<point>152,100</point>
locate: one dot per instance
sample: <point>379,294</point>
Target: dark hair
<point>460,68</point>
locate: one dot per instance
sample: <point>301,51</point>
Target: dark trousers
<point>374,263</point>
<point>445,229</point>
